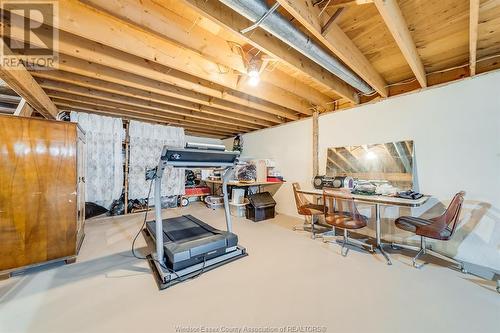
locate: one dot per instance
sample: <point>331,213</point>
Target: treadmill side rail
<point>165,278</point>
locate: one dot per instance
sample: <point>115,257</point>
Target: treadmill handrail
<point>162,164</point>
<point>198,164</point>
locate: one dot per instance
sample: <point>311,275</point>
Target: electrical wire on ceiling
<point>220,67</point>
<point>324,8</point>
<point>195,23</point>
<point>244,53</point>
<point>271,68</point>
<point>318,2</point>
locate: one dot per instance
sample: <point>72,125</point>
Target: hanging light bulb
<point>253,75</point>
<point>370,155</point>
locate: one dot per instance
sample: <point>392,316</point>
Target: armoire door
<point>81,157</point>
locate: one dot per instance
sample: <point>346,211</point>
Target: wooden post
<point>127,157</point>
<point>23,109</point>
<point>20,80</point>
<point>315,143</point>
<point>473,27</point>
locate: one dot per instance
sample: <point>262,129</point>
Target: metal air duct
<point>274,23</point>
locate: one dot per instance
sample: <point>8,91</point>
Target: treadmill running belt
<point>189,241</point>
<point>183,230</point>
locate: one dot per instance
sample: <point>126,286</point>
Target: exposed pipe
<point>277,25</point>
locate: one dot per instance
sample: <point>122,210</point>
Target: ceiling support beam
<point>110,90</point>
<point>234,22</point>
<point>24,85</point>
<point>94,107</point>
<point>79,93</point>
<point>23,109</point>
<point>89,23</point>
<point>164,22</point>
<point>396,23</point>
<point>187,119</point>
<point>90,75</point>
<point>10,99</point>
<point>77,52</point>
<point>336,41</point>
<point>473,31</point>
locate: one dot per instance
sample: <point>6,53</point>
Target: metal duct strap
<point>277,25</point>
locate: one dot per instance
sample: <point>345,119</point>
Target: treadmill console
<point>198,158</point>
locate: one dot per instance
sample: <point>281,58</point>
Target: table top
<point>242,184</point>
<point>376,199</point>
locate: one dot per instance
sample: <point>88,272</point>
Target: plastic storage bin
<point>261,207</point>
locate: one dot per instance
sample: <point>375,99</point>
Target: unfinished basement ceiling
<point>185,63</point>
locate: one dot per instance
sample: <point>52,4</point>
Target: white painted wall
<point>456,129</point>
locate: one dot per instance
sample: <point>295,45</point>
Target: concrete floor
<point>288,282</point>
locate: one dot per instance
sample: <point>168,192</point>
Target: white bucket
<point>238,196</point>
<point>238,210</point>
<point>214,202</point>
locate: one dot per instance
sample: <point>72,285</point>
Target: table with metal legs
<point>378,201</point>
<point>379,244</point>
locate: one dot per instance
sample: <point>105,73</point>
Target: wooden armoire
<point>42,199</point>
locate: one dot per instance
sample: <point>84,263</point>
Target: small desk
<point>377,200</point>
<point>242,184</point>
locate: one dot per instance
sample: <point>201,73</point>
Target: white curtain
<point>146,143</point>
<point>104,157</point>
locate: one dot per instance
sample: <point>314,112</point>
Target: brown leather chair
<point>306,208</point>
<point>342,213</point>
<point>440,228</point>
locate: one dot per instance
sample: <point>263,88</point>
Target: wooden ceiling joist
<point>77,71</point>
<point>396,23</point>
<point>188,120</point>
<point>59,90</point>
<point>216,11</point>
<point>24,84</point>
<point>100,27</point>
<point>473,34</point>
<point>154,17</point>
<point>336,41</point>
<point>80,106</point>
<point>10,99</point>
<point>89,51</point>
<point>185,62</point>
<point>107,90</point>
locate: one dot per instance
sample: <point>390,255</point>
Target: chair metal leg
<point>427,249</point>
<point>303,227</point>
<point>344,243</point>
<point>346,240</point>
<point>422,251</point>
<point>460,265</point>
<point>397,246</point>
<point>364,245</point>
<point>313,230</point>
<point>327,235</point>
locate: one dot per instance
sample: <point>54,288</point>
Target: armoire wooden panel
<point>38,191</point>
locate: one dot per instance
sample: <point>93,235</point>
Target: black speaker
<point>320,182</point>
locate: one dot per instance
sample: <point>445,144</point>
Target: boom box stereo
<point>321,182</point>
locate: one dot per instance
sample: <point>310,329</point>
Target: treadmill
<point>186,246</point>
